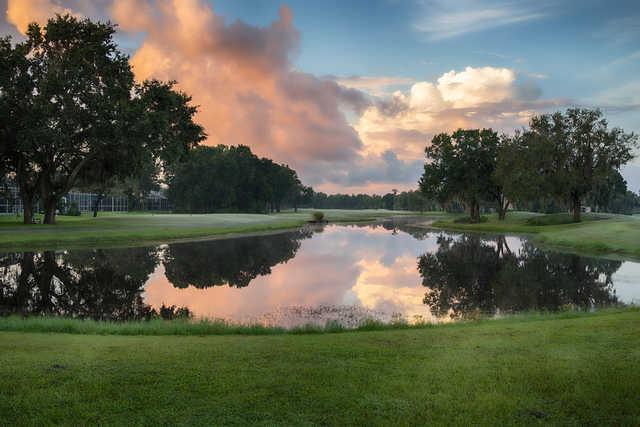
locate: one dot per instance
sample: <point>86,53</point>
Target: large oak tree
<point>80,107</point>
<point>566,156</point>
<point>462,166</point>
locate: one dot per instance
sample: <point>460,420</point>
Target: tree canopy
<point>231,179</point>
<point>461,166</point>
<point>562,159</point>
<point>74,110</point>
<point>566,156</point>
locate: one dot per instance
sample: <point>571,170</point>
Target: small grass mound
<point>467,220</point>
<point>560,219</point>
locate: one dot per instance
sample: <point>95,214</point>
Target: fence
<point>10,202</point>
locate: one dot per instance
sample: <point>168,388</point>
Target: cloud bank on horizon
<point>343,134</point>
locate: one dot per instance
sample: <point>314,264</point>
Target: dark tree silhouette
<point>98,284</point>
<point>233,262</point>
<point>470,275</point>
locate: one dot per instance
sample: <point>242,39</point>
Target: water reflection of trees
<point>407,224</point>
<point>235,262</point>
<point>108,284</point>
<point>470,274</point>
<point>98,284</point>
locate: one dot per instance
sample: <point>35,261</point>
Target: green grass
<point>571,370</point>
<point>138,229</point>
<point>177,327</point>
<point>613,235</point>
<point>561,218</point>
<point>154,327</point>
<point>597,234</point>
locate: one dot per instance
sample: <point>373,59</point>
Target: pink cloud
<point>243,79</point>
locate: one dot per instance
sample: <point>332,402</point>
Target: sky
<point>349,93</point>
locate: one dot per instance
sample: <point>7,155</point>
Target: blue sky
<point>582,48</point>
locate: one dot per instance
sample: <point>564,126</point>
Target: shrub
<point>318,216</point>
<point>173,312</point>
<point>73,209</point>
<point>560,218</point>
<point>467,220</point>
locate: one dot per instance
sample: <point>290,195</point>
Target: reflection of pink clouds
<point>306,280</point>
<point>392,289</point>
<point>342,266</point>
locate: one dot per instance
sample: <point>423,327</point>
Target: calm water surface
<point>385,271</point>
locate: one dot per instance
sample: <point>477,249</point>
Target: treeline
<point>232,179</point>
<point>73,116</point>
<point>561,161</point>
<point>406,200</point>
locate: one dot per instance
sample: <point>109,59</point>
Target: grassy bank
<point>579,370</point>
<point>597,234</point>
<point>155,327</point>
<point>137,229</point>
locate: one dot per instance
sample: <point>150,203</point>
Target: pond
<point>387,271</point>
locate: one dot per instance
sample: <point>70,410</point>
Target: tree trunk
<point>28,191</point>
<point>27,208</point>
<point>50,210</point>
<point>474,211</point>
<point>501,214</point>
<point>577,209</point>
<point>96,205</point>
<point>502,208</point>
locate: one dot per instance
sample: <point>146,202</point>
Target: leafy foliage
<point>461,166</point>
<point>76,115</point>
<point>231,179</point>
<point>567,156</point>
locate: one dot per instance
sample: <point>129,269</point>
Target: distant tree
<point>606,191</point>
<point>462,166</point>
<point>231,179</point>
<point>388,201</point>
<point>284,183</point>
<point>307,196</point>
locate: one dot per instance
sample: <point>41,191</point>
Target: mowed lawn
<point>134,229</point>
<point>572,370</point>
<point>598,234</point>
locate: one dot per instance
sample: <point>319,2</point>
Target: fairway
<point>597,234</point>
<point>572,370</point>
<point>145,228</point>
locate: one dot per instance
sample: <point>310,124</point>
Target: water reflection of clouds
<point>370,267</point>
<point>340,266</point>
<point>339,273</point>
<point>391,288</point>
